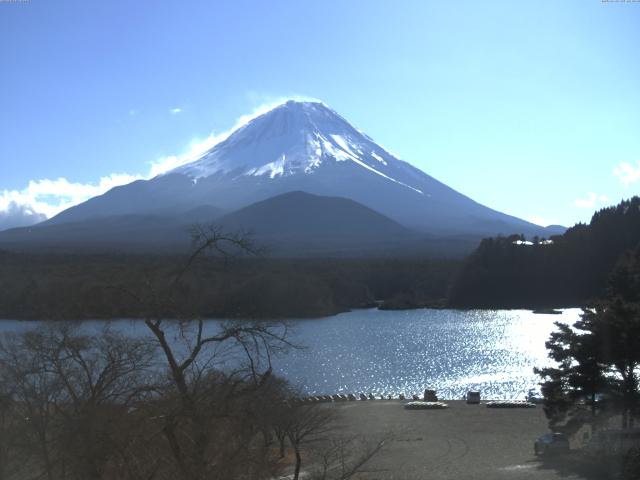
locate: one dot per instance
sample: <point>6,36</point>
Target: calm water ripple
<point>392,352</point>
<point>451,351</point>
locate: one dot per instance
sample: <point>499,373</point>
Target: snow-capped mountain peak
<point>303,147</point>
<point>291,139</point>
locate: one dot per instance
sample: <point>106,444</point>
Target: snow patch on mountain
<point>294,138</point>
<point>272,169</point>
<point>378,157</point>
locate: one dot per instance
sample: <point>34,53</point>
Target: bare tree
<point>314,436</point>
<point>213,368</point>
<point>306,423</point>
<point>205,415</point>
<point>7,429</point>
<point>71,395</point>
<point>343,457</point>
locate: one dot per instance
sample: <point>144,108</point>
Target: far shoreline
<point>555,310</point>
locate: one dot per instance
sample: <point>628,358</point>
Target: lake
<point>451,351</point>
<point>392,352</point>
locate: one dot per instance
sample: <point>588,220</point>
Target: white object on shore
<point>510,404</point>
<point>420,405</point>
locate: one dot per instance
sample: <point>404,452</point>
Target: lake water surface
<point>392,352</point>
<point>451,351</point>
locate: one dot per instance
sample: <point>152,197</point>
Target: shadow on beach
<point>576,465</point>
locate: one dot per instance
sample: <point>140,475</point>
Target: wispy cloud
<point>627,173</point>
<point>195,151</point>
<point>45,198</point>
<point>591,201</point>
<point>175,111</point>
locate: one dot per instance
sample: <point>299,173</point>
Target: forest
<point>68,286</point>
<point>565,270</point>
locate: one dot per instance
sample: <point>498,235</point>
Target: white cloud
<point>591,200</point>
<point>46,197</point>
<point>627,173</point>
<point>49,197</point>
<point>15,215</point>
<point>175,111</point>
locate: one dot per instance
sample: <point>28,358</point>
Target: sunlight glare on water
<point>451,351</point>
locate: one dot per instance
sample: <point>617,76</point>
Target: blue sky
<point>532,108</point>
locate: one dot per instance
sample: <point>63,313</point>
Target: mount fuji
<point>296,147</point>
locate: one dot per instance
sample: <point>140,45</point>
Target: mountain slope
<point>306,216</point>
<point>299,223</point>
<point>127,232</point>
<point>304,146</point>
<point>291,224</point>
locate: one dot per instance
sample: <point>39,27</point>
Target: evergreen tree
<point>601,351</point>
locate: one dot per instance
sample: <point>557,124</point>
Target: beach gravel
<point>462,442</point>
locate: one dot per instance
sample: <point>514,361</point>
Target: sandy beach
<point>461,442</point>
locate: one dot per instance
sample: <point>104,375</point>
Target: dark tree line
<point>571,270</point>
<point>66,286</point>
